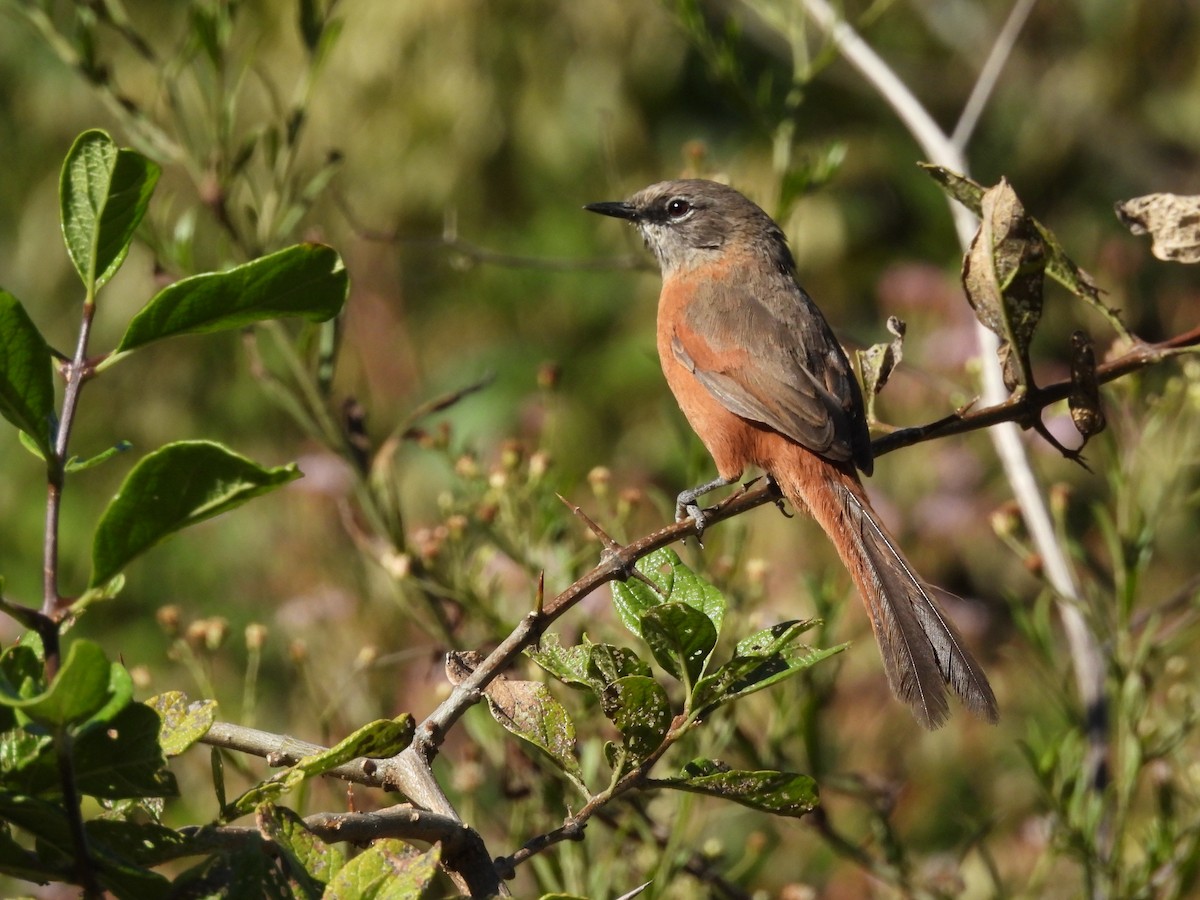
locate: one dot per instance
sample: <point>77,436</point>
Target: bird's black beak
<point>619,210</point>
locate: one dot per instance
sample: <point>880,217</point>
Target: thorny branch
<point>410,772</point>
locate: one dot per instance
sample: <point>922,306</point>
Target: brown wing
<point>767,354</point>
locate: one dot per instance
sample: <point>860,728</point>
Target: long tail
<point>922,651</point>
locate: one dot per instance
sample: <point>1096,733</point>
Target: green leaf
<point>26,375</point>
<point>291,837</point>
<point>606,663</point>
<point>378,739</point>
<point>144,843</point>
<point>567,664</point>
<point>633,598</point>
<point>672,581</point>
<point>389,870</point>
<point>43,820</point>
<point>19,750</point>
<point>124,759</point>
<point>183,723</point>
<point>174,487</point>
<point>680,637</point>
<point>760,660</point>
<point>103,194</point>
<point>306,280</point>
<point>321,861</point>
<point>80,464</point>
<point>780,793</point>
<point>639,707</point>
<point>688,587</point>
<point>80,688</point>
<point>17,862</point>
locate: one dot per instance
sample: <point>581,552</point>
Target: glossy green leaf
<point>103,194</point>
<point>26,375</point>
<point>639,707</point>
<point>759,661</point>
<point>174,487</point>
<point>381,738</point>
<point>688,587</point>
<point>388,870</point>
<point>680,637</point>
<point>780,793</point>
<point>634,598</point>
<point>306,280</point>
<point>567,664</point>
<point>183,723</point>
<point>80,688</point>
<point>606,663</point>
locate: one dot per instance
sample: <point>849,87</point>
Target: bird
<point>763,381</point>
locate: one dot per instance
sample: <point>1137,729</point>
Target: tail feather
<point>922,651</point>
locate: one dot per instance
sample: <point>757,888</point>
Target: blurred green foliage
<point>445,149</point>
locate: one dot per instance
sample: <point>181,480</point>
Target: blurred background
<point>445,149</point>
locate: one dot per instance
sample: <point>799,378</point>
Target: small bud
<point>1004,520</point>
<point>141,677</point>
<point>366,657</point>
<point>1060,499</point>
<point>456,526</point>
<point>168,619</point>
<point>398,565</point>
<point>539,463</point>
<point>498,479</point>
<point>756,570</point>
<point>466,466</point>
<point>215,631</point>
<point>599,478</point>
<point>256,636</point>
<point>195,633</point>
<point>511,455</point>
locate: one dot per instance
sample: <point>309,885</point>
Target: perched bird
<point>763,382</point>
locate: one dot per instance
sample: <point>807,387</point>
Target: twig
<point>466,859</point>
<point>989,75</point>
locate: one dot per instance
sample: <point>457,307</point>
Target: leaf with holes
<point>639,707</point>
<point>681,638</point>
<point>779,793</point>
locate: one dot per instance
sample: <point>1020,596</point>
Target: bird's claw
<point>691,511</point>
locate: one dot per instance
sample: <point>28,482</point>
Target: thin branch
<point>466,859</point>
<point>989,75</point>
<point>401,821</point>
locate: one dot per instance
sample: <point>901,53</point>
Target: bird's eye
<point>678,208</point>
